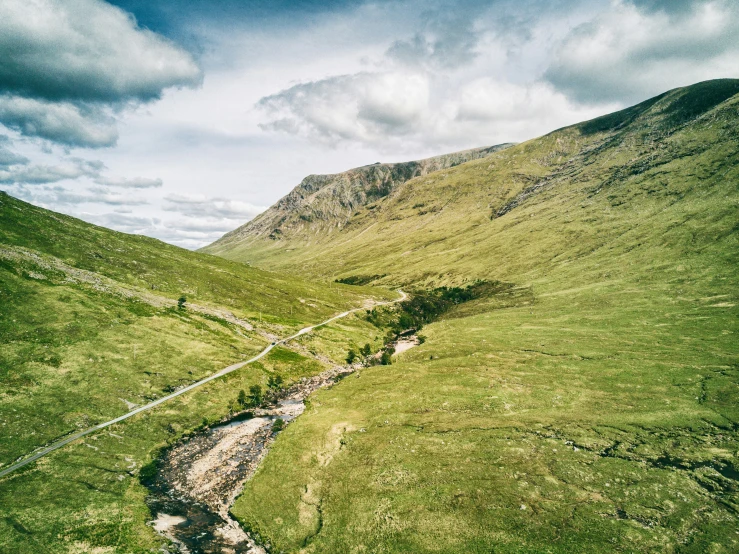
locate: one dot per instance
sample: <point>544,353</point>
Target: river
<point>200,476</point>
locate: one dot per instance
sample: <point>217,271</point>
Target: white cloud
<point>43,174</point>
<point>8,157</point>
<point>135,183</point>
<point>446,41</point>
<point>85,50</point>
<point>58,197</point>
<point>68,65</point>
<point>392,110</point>
<point>197,205</point>
<point>628,53</point>
<point>62,122</point>
<point>366,107</point>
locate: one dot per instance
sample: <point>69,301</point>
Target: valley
<point>592,412</point>
<point>91,330</point>
<point>565,377</point>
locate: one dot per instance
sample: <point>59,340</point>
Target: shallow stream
<point>199,477</point>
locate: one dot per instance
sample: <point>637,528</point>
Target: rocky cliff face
<point>321,203</point>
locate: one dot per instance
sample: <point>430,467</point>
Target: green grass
<point>565,407</point>
<point>591,409</point>
<point>158,268</point>
<point>84,335</point>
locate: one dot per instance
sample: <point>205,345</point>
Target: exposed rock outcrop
<point>322,203</point>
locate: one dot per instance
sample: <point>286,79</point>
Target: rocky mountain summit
<point>323,203</point>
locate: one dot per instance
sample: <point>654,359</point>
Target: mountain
<point>575,390</point>
<point>90,329</point>
<point>588,403</point>
<point>594,185</point>
<point>322,204</point>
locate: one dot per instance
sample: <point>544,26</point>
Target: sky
<point>184,119</point>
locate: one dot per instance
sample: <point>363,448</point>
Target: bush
<point>278,425</point>
<point>275,382</point>
<point>148,472</point>
<point>255,396</point>
<point>386,358</point>
<point>366,350</point>
<point>351,357</point>
<point>426,306</point>
<point>181,302</point>
<point>359,279</point>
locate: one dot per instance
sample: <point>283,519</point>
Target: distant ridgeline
<point>324,203</point>
<point>498,213</point>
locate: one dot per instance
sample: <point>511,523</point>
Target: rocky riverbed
<point>199,477</point>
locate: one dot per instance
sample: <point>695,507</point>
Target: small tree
<point>275,382</point>
<point>181,302</point>
<point>351,356</point>
<point>278,425</point>
<point>386,358</point>
<point>366,350</point>
<point>242,398</point>
<point>255,395</point>
<point>405,321</point>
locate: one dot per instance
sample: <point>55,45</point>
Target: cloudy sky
<point>183,119</point>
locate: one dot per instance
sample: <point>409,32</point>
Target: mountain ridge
<point>480,201</point>
<point>322,203</point>
<point>597,413</point>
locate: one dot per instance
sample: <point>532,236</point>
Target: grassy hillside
<point>599,416</point>
<point>322,204</point>
<point>610,183</point>
<point>89,327</point>
<point>168,271</point>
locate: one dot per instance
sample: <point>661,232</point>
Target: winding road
<point>225,371</point>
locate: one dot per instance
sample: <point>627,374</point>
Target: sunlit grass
<point>598,413</point>
<point>79,349</point>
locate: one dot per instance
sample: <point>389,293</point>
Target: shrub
<point>275,382</point>
<point>427,306</point>
<point>278,425</point>
<point>148,472</point>
<point>181,302</point>
<point>351,357</point>
<point>255,396</point>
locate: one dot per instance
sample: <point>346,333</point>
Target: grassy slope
<point>321,204</point>
<point>656,171</point>
<point>602,417</point>
<point>76,346</point>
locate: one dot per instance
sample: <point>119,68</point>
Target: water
<point>199,477</point>
<point>190,496</point>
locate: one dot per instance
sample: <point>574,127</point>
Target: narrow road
<point>225,371</point>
